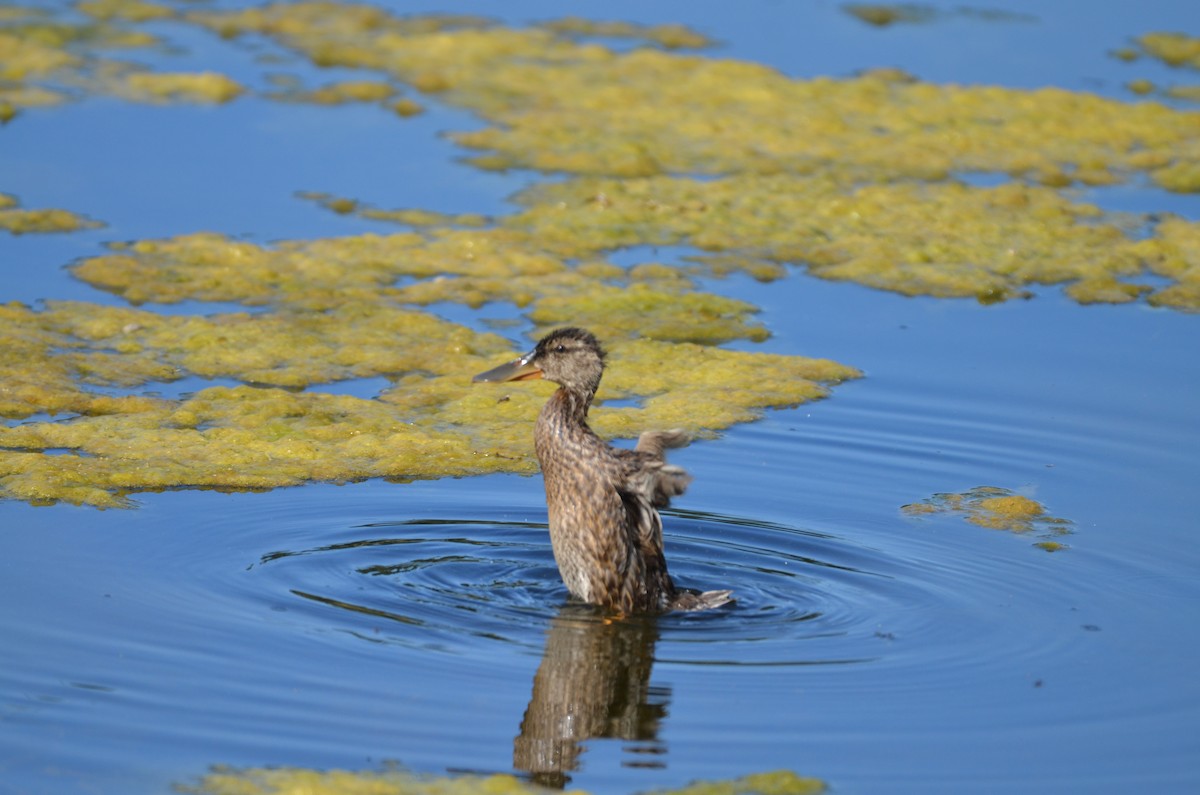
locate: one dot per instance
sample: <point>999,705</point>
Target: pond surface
<point>424,624</point>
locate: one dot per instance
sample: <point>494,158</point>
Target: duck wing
<point>647,472</point>
<point>645,483</point>
<point>648,484</point>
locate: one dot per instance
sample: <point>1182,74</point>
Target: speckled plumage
<point>604,524</point>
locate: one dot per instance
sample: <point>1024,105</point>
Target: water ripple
<point>461,585</point>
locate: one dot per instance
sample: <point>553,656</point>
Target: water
<point>344,626</point>
<point>424,623</point>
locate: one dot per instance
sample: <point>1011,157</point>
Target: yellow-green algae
<point>469,266</point>
<point>1172,48</point>
<point>43,59</point>
<point>557,102</point>
<point>132,10</point>
<point>944,239</point>
<point>20,221</point>
<point>207,87</point>
<point>1190,93</point>
<point>848,178</point>
<point>831,174</point>
<point>266,434</point>
<point>997,509</point>
<point>884,14</point>
<point>670,36</point>
<point>1176,50</point>
<point>338,93</point>
<point>289,781</point>
<point>648,111</point>
<point>412,217</point>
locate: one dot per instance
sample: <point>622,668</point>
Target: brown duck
<point>603,501</point>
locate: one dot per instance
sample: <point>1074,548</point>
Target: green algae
<point>339,93</point>
<point>268,433</point>
<point>131,10</point>
<point>649,111</point>
<point>277,781</point>
<point>46,60</point>
<point>18,221</point>
<point>653,313</point>
<point>883,14</point>
<point>202,87</point>
<point>868,145</point>
<point>756,172</point>
<point>1191,93</point>
<point>672,37</point>
<point>1172,48</point>
<point>997,509</point>
<point>410,217</point>
<point>946,240</point>
<point>1177,50</point>
<point>469,266</point>
<point>776,782</point>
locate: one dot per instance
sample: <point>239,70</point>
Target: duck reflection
<point>593,682</point>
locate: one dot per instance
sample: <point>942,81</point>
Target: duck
<point>603,501</point>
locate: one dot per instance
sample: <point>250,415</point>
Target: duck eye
<point>560,348</point>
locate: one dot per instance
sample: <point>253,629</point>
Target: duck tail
<point>692,601</point>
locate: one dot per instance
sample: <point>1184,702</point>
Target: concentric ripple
<point>462,584</point>
<point>433,583</point>
<point>454,583</point>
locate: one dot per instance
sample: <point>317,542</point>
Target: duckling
<point>603,501</point>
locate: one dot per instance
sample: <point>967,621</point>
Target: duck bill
<point>516,370</point>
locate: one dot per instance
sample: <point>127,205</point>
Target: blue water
<point>349,626</point>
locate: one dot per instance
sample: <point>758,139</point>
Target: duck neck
<point>574,403</point>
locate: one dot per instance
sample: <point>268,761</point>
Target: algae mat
<point>645,143</point>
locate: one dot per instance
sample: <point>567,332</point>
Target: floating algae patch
<point>650,112</point>
<point>287,349</point>
<point>560,104</point>
<point>851,178</point>
<point>280,781</point>
<point>266,434</point>
<point>671,37</point>
<point>942,239</point>
<point>1174,253</point>
<point>411,217</point>
<point>414,217</point>
<point>19,221</point>
<point>131,10</point>
<point>202,87</point>
<point>467,266</point>
<point>775,782</point>
<point>1173,49</point>
<point>213,267</point>
<point>339,93</point>
<point>653,313</point>
<point>24,56</point>
<point>46,59</point>
<point>1191,93</point>
<point>883,14</point>
<point>997,509</point>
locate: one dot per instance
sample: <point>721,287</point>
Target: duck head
<point>570,357</point>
